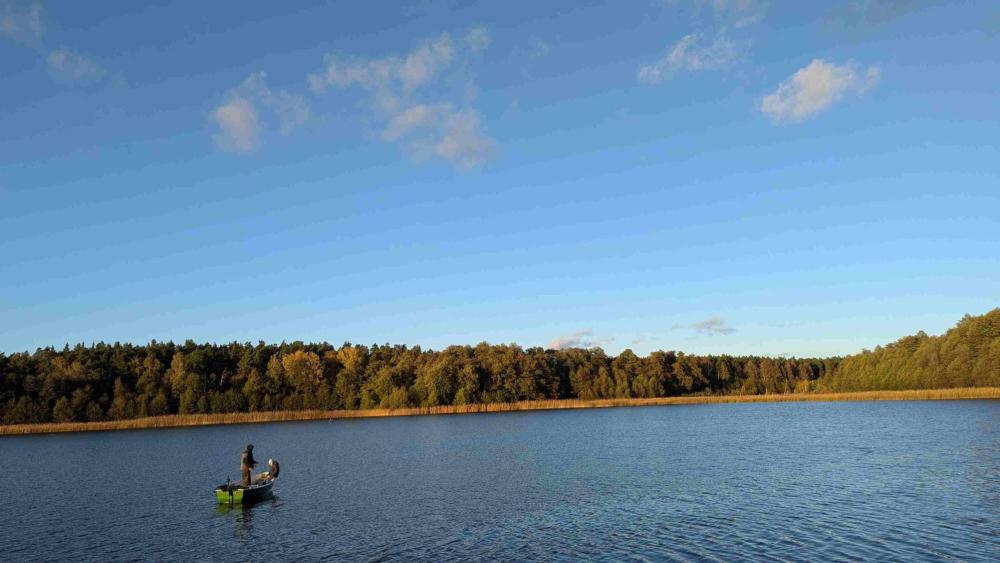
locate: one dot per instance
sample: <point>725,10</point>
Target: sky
<point>711,176</point>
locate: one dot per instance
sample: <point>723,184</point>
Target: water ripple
<point>766,482</point>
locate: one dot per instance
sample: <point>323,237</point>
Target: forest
<point>121,381</point>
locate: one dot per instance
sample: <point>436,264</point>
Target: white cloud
<point>239,122</point>
<point>423,63</point>
<point>414,99</point>
<point>73,67</point>
<point>239,127</point>
<point>579,339</point>
<point>441,131</point>
<point>408,120</point>
<point>462,142</point>
<point>419,67</point>
<point>21,25</point>
<point>815,88</point>
<point>691,53</point>
<point>713,326</point>
<point>292,110</point>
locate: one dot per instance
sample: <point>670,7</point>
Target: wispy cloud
<point>692,53</point>
<point>579,339</point>
<point>291,110</point>
<point>642,339</point>
<point>816,87</point>
<point>239,126</point>
<point>405,95</point>
<point>704,50</point>
<point>68,66</point>
<point>455,136</point>
<point>21,23</point>
<point>389,76</point>
<point>238,119</point>
<point>713,326</point>
<point>440,130</point>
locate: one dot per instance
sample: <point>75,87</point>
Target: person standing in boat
<point>247,463</point>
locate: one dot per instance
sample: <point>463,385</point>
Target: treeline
<point>968,355</point>
<point>121,381</point>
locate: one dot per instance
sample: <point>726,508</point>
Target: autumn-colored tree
<point>304,371</point>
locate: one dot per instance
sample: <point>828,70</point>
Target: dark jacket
<point>247,461</point>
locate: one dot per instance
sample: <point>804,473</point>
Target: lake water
<point>904,481</point>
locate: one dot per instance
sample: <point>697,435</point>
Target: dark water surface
<point>903,481</point>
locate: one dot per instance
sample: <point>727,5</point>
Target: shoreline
<point>189,420</point>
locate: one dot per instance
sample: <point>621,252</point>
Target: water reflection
<point>242,516</point>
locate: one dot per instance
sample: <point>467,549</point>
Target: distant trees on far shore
<point>122,381</point>
<point>968,355</point>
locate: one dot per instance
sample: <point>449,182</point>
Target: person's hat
<point>270,462</point>
<point>249,446</point>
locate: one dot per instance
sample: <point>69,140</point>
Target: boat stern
<point>229,495</point>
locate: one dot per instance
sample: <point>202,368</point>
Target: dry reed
<point>179,420</point>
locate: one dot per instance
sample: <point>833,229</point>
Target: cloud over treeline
<point>713,326</point>
<point>579,339</point>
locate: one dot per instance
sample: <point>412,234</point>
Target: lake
<point>905,481</point>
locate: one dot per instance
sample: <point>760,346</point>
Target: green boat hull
<point>237,494</point>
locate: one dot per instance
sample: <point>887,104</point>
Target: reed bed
<point>180,420</point>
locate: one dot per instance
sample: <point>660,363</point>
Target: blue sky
<point>717,176</point>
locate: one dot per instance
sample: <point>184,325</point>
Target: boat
<point>260,488</point>
<point>232,493</point>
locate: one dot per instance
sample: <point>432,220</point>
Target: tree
<point>122,405</point>
<point>303,370</point>
<point>437,381</point>
<point>62,411</point>
<point>177,375</point>
<point>253,390</point>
